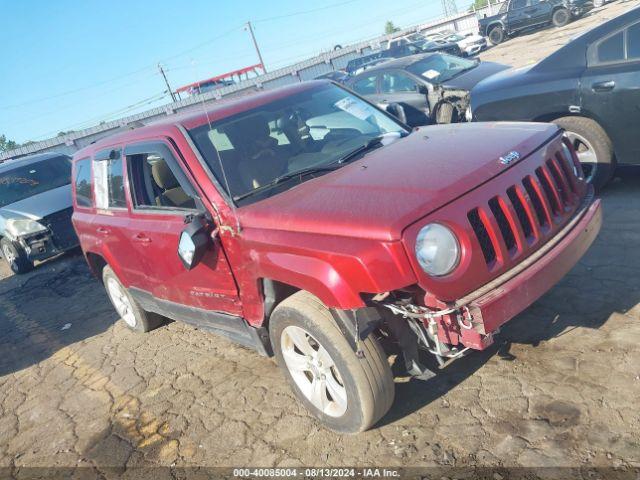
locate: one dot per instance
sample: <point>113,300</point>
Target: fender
<point>313,275</point>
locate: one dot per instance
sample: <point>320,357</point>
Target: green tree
<point>6,145</point>
<point>389,27</point>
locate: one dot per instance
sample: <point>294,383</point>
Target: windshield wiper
<point>368,145</point>
<point>284,178</point>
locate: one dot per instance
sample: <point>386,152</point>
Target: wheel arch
<point>493,25</point>
<point>550,117</point>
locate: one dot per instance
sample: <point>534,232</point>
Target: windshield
<point>311,129</point>
<point>440,67</point>
<point>29,180</point>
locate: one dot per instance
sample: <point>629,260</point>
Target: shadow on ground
<point>57,304</point>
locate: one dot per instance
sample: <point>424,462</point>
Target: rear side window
<point>633,41</point>
<point>393,82</point>
<point>108,173</point>
<point>366,86</point>
<point>84,192</point>
<point>612,49</point>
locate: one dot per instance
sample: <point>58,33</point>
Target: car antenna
<point>224,173</point>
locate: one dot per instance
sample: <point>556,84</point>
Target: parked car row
<point>590,87</point>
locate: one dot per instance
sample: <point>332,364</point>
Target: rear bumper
<point>497,303</point>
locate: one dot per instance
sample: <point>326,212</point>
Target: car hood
<point>41,205</point>
<point>378,196</point>
<point>468,80</point>
<point>471,39</point>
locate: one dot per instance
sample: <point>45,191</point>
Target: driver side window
<point>156,180</point>
<point>517,4</point>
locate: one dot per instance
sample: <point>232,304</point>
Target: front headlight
<point>468,114</point>
<point>437,250</point>
<point>19,227</point>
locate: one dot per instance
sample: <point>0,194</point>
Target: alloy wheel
<point>121,302</point>
<point>586,154</point>
<point>314,371</point>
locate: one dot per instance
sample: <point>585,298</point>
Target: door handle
<point>141,238</point>
<point>606,86</point>
<point>103,231</point>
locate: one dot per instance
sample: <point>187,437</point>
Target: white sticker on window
<point>356,108</point>
<point>100,184</point>
<point>431,74</point>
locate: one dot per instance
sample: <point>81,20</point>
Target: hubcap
<point>121,302</point>
<point>8,254</point>
<point>314,371</point>
<point>586,154</point>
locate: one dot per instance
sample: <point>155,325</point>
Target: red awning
<point>242,71</point>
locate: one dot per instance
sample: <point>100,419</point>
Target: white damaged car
<point>35,209</point>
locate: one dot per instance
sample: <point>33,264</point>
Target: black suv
<point>515,16</point>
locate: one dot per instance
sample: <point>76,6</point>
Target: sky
<point>69,64</point>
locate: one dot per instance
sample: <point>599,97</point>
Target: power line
<point>70,92</point>
<point>294,14</point>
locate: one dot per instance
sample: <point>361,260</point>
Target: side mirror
<point>423,89</point>
<point>397,111</point>
<point>193,243</point>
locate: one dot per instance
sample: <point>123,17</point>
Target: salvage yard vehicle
<point>307,223</point>
<point>431,88</point>
<point>470,44</point>
<point>590,87</point>
<point>401,47</point>
<point>35,209</point>
<point>516,16</point>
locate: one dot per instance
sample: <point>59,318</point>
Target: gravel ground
<point>559,389</point>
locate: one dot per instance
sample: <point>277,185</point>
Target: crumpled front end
<point>518,235</point>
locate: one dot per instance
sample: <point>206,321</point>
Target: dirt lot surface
<point>560,387</point>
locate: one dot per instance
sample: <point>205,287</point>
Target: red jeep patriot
<point>307,223</point>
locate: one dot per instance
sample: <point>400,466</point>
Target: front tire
<point>15,257</point>
<point>446,113</point>
<point>346,393</point>
<point>133,315</point>
<point>561,17</point>
<point>496,35</point>
<point>593,146</point>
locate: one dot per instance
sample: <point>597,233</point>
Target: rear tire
<point>593,146</point>
<point>561,17</point>
<point>496,35</point>
<point>319,364</point>
<point>129,310</point>
<point>15,257</point>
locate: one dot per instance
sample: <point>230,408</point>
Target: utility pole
<point>255,44</point>
<point>449,8</point>
<point>173,96</point>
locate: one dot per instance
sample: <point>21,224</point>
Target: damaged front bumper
<point>481,313</point>
<point>471,322</point>
<point>40,246</point>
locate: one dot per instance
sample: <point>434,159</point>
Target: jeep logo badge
<point>509,158</point>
